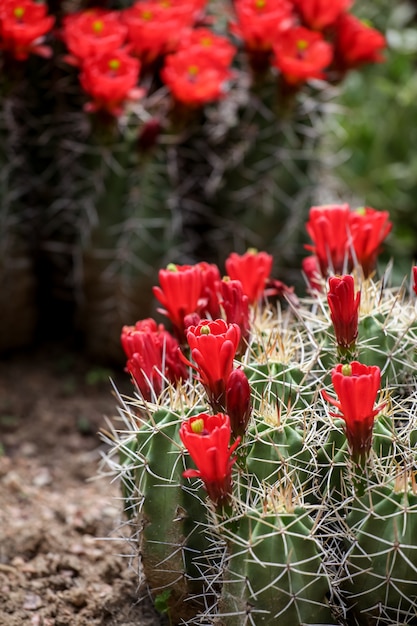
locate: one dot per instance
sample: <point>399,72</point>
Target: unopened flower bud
<point>238,404</point>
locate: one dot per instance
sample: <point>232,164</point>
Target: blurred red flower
<point>368,229</point>
<point>195,76</point>
<point>92,32</point>
<point>311,269</point>
<point>319,14</point>
<point>155,26</point>
<point>110,79</point>
<point>220,48</point>
<point>207,439</point>
<point>23,24</point>
<point>259,22</point>
<point>356,43</point>
<point>328,229</point>
<point>301,54</point>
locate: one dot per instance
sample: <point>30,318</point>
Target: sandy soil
<point>62,559</point>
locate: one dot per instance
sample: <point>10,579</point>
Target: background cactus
<point>297,537</point>
<point>124,180</point>
<point>18,259</point>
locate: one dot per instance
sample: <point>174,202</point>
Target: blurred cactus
<point>18,277</point>
<point>168,132</point>
<point>308,516</point>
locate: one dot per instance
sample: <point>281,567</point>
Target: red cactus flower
<point>356,43</point>
<point>238,402</point>
<point>328,227</point>
<point>23,25</point>
<point>344,310</point>
<point>209,301</point>
<point>207,439</point>
<point>356,386</point>
<point>252,269</point>
<point>259,22</point>
<point>92,32</point>
<point>319,14</point>
<point>152,356</point>
<point>110,79</point>
<point>301,54</point>
<point>155,26</point>
<point>130,335</point>
<point>213,347</point>
<point>195,76</point>
<point>179,293</point>
<point>311,269</point>
<point>235,305</point>
<point>145,364</point>
<point>220,48</point>
<point>368,229</point>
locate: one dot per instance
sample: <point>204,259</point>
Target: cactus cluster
<point>301,509</point>
<point>151,128</point>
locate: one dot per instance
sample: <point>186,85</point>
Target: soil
<point>63,559</point>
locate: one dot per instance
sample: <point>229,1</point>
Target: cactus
<point>18,223</point>
<point>307,516</point>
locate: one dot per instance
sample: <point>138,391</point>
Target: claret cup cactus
<point>267,457</point>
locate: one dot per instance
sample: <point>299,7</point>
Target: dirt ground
<point>62,559</point>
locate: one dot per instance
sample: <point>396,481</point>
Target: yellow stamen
<point>19,12</point>
<point>347,370</point>
<point>205,330</point>
<point>146,15</point>
<point>98,26</point>
<point>197,426</point>
<point>193,70</point>
<point>171,267</point>
<point>360,210</point>
<point>260,4</point>
<point>114,64</point>
<point>302,45</point>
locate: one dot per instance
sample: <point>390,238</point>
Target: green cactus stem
<point>381,559</point>
<point>274,571</point>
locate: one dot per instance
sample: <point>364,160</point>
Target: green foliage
<point>374,134</point>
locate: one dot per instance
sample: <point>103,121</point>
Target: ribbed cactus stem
<point>274,571</point>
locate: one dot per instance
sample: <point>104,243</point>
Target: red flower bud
<point>344,310</point>
<point>235,305</point>
<point>238,402</point>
